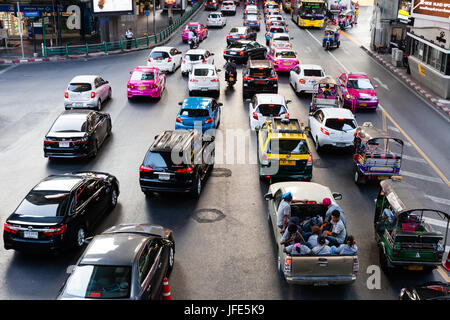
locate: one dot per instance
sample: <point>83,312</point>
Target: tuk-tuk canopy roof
<point>368,132</point>
<point>327,79</point>
<point>332,27</point>
<point>404,197</point>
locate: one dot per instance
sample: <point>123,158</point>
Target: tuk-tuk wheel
<point>383,261</point>
<point>359,178</point>
<point>338,44</point>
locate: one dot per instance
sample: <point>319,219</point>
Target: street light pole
<point>154,14</point>
<point>20,28</point>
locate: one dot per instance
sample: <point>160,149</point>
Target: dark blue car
<point>198,111</point>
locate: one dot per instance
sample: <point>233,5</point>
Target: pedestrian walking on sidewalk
<point>129,35</point>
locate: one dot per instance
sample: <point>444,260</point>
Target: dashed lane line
<point>421,176</point>
<point>438,200</point>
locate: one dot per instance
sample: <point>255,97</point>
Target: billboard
<point>438,10</point>
<point>112,7</point>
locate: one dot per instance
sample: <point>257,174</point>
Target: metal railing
<point>135,43</point>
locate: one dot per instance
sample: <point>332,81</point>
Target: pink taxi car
<point>357,91</point>
<point>283,59</point>
<point>146,81</point>
<point>198,28</point>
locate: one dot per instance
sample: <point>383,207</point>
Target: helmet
<point>326,201</point>
<point>287,196</point>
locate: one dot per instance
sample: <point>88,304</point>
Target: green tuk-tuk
<point>403,236</point>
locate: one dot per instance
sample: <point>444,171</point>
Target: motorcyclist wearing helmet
<point>230,68</point>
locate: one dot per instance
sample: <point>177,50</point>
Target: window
<point>319,116</point>
<point>194,57</point>
<point>70,124</point>
<point>144,265</point>
<point>44,204</point>
<point>142,76</point>
<point>340,124</point>
<point>286,54</point>
<point>195,113</point>
<point>79,87</point>
<point>159,55</point>
<point>289,146</point>
<point>83,193</point>
<point>277,198</point>
<point>313,73</point>
<point>271,110</point>
<point>204,72</point>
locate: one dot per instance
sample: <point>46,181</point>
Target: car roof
<point>355,75</point>
<point>144,68</point>
<point>84,78</point>
<point>274,98</point>
<point>59,182</point>
<point>118,249</point>
<point>204,66</point>
<point>196,103</point>
<point>196,51</point>
<point>300,190</point>
<point>260,64</point>
<point>338,112</point>
<point>165,49</point>
<point>310,66</point>
<point>76,112</point>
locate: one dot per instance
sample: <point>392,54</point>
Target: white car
<point>87,91</point>
<point>195,56</point>
<point>280,40</point>
<point>228,7</point>
<point>165,58</point>
<point>332,127</point>
<point>251,9</point>
<point>204,78</point>
<point>216,19</point>
<point>263,106</point>
<point>303,77</point>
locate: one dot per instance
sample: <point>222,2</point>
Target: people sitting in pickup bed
<point>291,235</point>
<point>322,249</point>
<point>284,210</point>
<point>297,249</point>
<point>338,232</point>
<point>349,248</point>
<point>330,208</point>
<point>315,234</point>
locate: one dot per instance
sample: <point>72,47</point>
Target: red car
<point>357,91</point>
<point>146,81</point>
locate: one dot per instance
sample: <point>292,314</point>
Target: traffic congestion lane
<point>218,256</point>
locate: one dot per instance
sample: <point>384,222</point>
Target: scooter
<point>193,43</point>
<point>230,79</point>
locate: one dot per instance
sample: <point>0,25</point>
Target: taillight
<point>215,80</point>
<point>178,119</point>
<point>10,228</point>
<point>224,51</point>
<point>245,21</point>
<point>242,37</point>
<point>204,61</point>
<point>310,160</point>
<point>185,170</point>
<point>273,78</point>
<point>193,80</point>
<point>66,95</point>
<point>130,86</point>
<point>255,115</point>
<point>149,59</point>
<point>92,94</point>
<point>355,265</point>
<point>228,35</point>
<point>209,120</point>
<point>287,265</point>
<point>324,131</point>
<point>302,81</point>
<point>49,142</point>
<point>143,168</point>
<point>55,231</point>
<point>170,60</point>
<point>184,61</point>
<point>241,53</point>
<point>81,141</point>
<point>154,86</point>
<point>248,78</point>
<point>286,115</point>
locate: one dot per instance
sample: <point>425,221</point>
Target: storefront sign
<point>438,10</point>
<point>74,21</point>
<point>31,14</point>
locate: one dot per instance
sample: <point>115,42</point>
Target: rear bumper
<point>398,263</point>
<point>361,104</point>
<point>80,104</point>
<point>263,88</point>
<point>167,187</point>
<point>205,127</point>
<point>237,58</point>
<point>283,68</point>
<point>284,174</point>
<point>33,246</point>
<point>337,280</point>
<point>66,153</point>
<point>154,93</point>
<point>311,23</point>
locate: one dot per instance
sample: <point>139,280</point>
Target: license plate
<point>78,105</point>
<point>287,162</point>
<point>321,284</point>
<point>287,63</point>
<point>383,177</point>
<point>204,89</point>
<point>415,268</point>
<point>142,87</point>
<point>363,104</point>
<point>164,177</point>
<point>231,79</point>
<point>64,144</point>
<point>339,144</point>
<point>260,82</point>
<point>30,234</point>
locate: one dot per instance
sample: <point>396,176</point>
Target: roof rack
<point>282,125</point>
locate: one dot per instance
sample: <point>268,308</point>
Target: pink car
<point>146,81</point>
<point>357,91</point>
<point>283,59</point>
<point>198,28</point>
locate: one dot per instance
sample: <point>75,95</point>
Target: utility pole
<point>20,28</point>
<point>154,19</point>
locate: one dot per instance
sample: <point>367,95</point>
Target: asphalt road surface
<point>224,245</point>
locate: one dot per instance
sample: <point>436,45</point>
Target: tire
<point>114,197</point>
<point>198,187</point>
<point>280,267</point>
<point>99,105</point>
<point>109,94</point>
<point>171,260</point>
<point>358,178</point>
<point>80,237</point>
<point>317,145</point>
<point>173,68</point>
<point>95,151</point>
<point>383,261</point>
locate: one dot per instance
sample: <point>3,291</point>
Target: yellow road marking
<point>350,37</point>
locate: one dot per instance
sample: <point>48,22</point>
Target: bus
<point>308,13</point>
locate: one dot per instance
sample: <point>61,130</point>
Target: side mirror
<point>288,101</point>
<point>308,129</point>
<point>180,103</point>
<point>220,104</point>
<point>131,72</point>
<point>212,53</point>
<point>337,196</point>
<point>268,196</point>
<point>88,240</point>
<point>156,137</point>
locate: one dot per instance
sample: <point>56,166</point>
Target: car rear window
<point>194,57</point>
<point>194,113</point>
<point>44,204</point>
<point>363,84</point>
<point>193,28</point>
<point>262,72</point>
<point>204,72</point>
<point>271,110</point>
<point>277,30</point>
<point>145,76</point>
<point>312,73</point>
<point>288,146</point>
<point>237,30</point>
<point>286,54</point>
<point>79,87</point>
<point>340,124</point>
<point>70,124</point>
<point>159,55</point>
<point>237,44</point>
<point>215,16</point>
<point>100,282</point>
<point>157,160</point>
<point>283,38</point>
<point>228,3</point>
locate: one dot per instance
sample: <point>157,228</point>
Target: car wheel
<point>114,197</point>
<point>171,260</point>
<point>80,237</point>
<point>173,67</point>
<point>99,105</point>
<point>317,144</point>
<point>95,151</point>
<point>198,187</point>
<point>383,261</point>
<point>109,93</point>
<point>280,267</point>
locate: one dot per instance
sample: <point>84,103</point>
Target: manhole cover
<point>208,215</point>
<point>319,163</point>
<point>221,172</point>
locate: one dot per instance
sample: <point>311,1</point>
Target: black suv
<point>177,161</point>
<point>242,50</point>
<point>211,5</point>
<point>259,76</point>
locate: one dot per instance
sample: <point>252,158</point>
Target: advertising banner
<point>438,10</point>
<point>112,7</point>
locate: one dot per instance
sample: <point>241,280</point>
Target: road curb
<point>411,83</point>
<point>95,55</point>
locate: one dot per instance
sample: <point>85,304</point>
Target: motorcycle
<point>193,43</point>
<point>230,78</point>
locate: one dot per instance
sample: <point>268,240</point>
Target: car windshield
<point>340,124</point>
<point>99,282</point>
<point>283,38</point>
<point>194,113</point>
<point>44,204</point>
<point>79,87</point>
<point>204,72</point>
<point>362,84</point>
<point>194,57</point>
<point>286,54</point>
<point>158,55</point>
<point>70,124</point>
<point>144,76</point>
<point>312,72</point>
<point>271,110</point>
<point>262,72</point>
<point>237,44</point>
<point>289,146</point>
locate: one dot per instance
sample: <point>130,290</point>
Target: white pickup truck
<point>309,269</point>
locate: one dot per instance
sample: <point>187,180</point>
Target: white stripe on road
<point>438,200</point>
<point>9,68</point>
<point>416,159</point>
<point>393,128</point>
<point>420,176</point>
<point>435,222</point>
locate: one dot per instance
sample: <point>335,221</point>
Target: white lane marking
<point>420,176</point>
<point>9,68</point>
<point>381,83</point>
<point>438,200</point>
<point>405,157</point>
<point>435,222</point>
<point>393,128</point>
